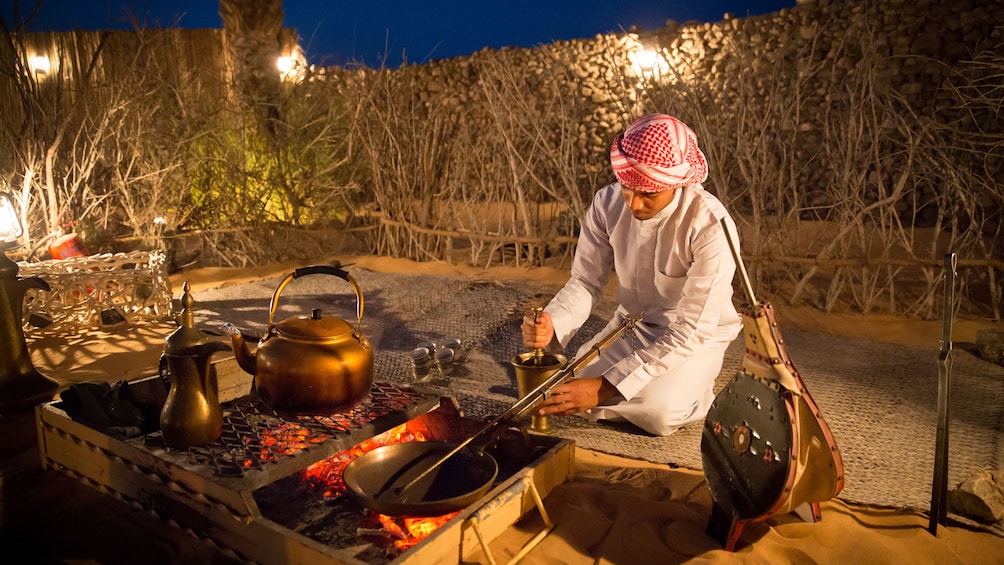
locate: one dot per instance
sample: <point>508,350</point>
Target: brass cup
<point>531,372</point>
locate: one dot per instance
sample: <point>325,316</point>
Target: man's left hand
<point>576,396</point>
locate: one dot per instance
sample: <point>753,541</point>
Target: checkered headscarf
<point>656,153</point>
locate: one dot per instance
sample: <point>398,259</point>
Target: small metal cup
<point>421,363</point>
<point>532,370</point>
<point>444,360</point>
<point>457,346</point>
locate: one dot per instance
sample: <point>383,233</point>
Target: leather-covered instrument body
<point>765,447</point>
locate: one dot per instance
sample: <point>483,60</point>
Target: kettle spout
<point>242,353</point>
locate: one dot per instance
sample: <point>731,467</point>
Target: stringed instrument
<point>765,446</point>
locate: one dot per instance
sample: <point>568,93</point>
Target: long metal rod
<point>939,488</point>
<point>740,266</point>
<point>527,402</point>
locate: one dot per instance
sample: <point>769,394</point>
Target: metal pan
<point>434,478</point>
<point>376,478</point>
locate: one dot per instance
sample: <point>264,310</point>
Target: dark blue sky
<point>334,32</point>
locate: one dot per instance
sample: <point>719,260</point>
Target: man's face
<point>644,205</point>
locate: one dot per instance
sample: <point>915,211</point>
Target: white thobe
<point>676,270</point>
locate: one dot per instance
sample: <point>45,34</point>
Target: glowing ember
<point>287,439</point>
<point>326,475</point>
<point>410,531</point>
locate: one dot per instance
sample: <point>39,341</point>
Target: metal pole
<point>740,266</point>
<point>939,488</point>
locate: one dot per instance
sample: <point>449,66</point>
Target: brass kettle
<point>309,363</point>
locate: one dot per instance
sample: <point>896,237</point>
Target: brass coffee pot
<point>192,414</point>
<point>309,363</point>
<point>21,385</point>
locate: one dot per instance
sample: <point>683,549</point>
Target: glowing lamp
<point>291,66</point>
<point>39,64</point>
<point>285,65</point>
<point>647,59</point>
<point>10,225</point>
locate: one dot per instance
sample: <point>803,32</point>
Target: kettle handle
<point>317,270</point>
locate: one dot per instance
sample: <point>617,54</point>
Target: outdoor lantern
<point>10,225</point>
<point>39,64</point>
<point>646,59</point>
<point>21,385</point>
<point>285,65</point>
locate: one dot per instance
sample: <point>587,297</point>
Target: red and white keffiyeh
<point>658,152</point>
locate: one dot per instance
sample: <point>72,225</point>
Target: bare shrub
<point>55,136</point>
<point>966,152</point>
<point>534,124</point>
<point>487,174</point>
<point>415,157</point>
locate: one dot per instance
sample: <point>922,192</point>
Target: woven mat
<point>879,399</point>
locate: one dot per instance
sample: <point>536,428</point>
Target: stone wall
<point>913,43</point>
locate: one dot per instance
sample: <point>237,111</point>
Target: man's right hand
<point>537,335</point>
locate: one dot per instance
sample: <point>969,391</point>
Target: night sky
<point>335,32</point>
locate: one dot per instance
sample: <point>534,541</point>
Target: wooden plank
<point>503,506</point>
<point>268,543</point>
<point>134,476</point>
<point>496,515</point>
<point>83,449</point>
<point>232,381</point>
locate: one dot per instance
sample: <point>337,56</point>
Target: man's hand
<point>537,335</point>
<point>576,396</point>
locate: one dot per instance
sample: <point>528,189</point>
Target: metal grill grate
<point>255,436</point>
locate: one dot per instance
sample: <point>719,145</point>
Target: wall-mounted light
<point>39,65</point>
<point>285,64</point>
<point>646,59</point>
<point>10,224</point>
<point>648,62</point>
<point>292,65</point>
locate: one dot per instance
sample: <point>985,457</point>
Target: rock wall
<point>912,44</point>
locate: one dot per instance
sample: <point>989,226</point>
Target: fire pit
<point>270,491</point>
<point>313,502</point>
